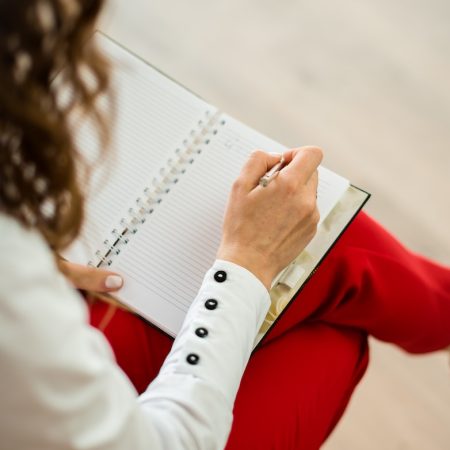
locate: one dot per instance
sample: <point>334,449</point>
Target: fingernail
<point>113,282</point>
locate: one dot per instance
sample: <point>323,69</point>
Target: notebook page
<point>331,185</point>
<point>165,262</point>
<point>154,116</point>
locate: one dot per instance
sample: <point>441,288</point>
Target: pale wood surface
<point>368,81</point>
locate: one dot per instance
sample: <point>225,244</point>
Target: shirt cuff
<point>218,333</point>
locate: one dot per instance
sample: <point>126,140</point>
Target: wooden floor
<point>367,80</point>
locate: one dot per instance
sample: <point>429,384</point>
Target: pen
<point>270,175</point>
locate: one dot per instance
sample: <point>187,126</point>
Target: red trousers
<point>298,383</point>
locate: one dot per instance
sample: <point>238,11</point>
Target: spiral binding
<point>153,194</point>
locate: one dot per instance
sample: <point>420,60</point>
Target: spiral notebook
<point>155,206</point>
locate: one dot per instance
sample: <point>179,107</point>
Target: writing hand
<point>265,228</point>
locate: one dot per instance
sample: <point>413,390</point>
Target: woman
<point>61,387</point>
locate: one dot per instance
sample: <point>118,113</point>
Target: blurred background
<point>368,81</point>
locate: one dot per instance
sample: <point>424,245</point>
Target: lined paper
<point>165,262</point>
<point>154,117</point>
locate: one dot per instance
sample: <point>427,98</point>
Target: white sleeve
<point>207,361</point>
<point>62,389</point>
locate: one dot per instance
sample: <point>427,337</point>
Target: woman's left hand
<point>90,278</point>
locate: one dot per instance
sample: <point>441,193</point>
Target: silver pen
<point>272,173</point>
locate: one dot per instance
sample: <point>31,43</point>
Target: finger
<point>301,163</point>
<point>291,153</point>
<point>310,190</point>
<point>256,167</point>
<point>91,278</point>
<point>308,193</point>
<point>309,198</point>
<point>313,183</point>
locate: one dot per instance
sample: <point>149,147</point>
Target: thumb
<point>90,278</point>
<point>256,166</point>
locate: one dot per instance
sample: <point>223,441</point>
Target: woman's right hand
<point>265,228</point>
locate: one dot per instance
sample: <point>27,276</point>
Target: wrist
<point>250,262</point>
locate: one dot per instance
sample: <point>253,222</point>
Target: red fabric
<point>298,383</point>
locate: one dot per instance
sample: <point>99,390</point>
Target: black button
<point>192,358</point>
<point>220,276</point>
<point>211,303</point>
<point>201,332</point>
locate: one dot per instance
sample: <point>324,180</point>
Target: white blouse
<point>61,388</point>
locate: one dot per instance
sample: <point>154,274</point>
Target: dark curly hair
<point>39,163</point>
